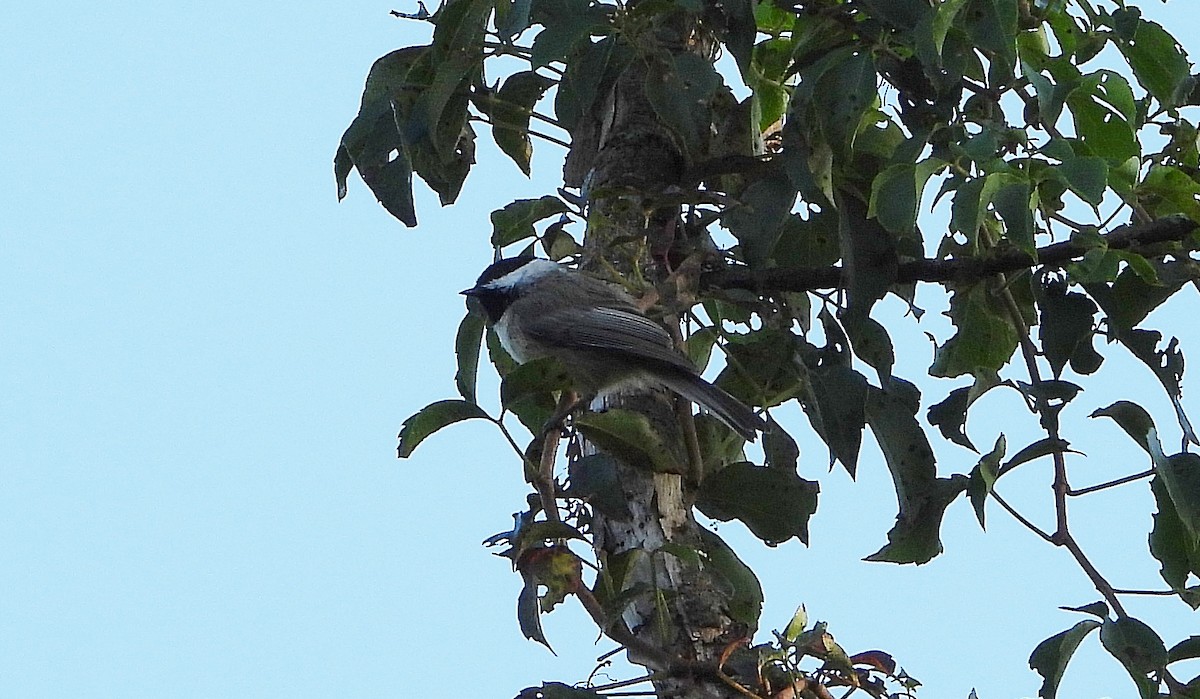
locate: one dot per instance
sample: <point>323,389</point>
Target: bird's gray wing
<point>609,330</point>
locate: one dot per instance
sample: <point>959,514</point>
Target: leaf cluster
<point>1059,173</point>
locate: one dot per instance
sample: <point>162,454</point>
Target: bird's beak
<point>473,291</point>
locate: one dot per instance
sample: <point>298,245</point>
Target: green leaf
<point>1086,177</point>
<point>527,391</point>
<point>834,399</point>
<point>565,24</point>
<point>1158,61</point>
<point>452,64</point>
<point>1040,448</point>
<point>372,138</point>
<point>1186,649</point>
<point>681,88</point>
<point>590,69</point>
<point>761,218</point>
<point>896,194</point>
<point>1067,330</point>
<point>512,17</point>
<point>737,27</point>
<point>983,477</point>
<point>871,343</point>
<point>1012,202</point>
<point>1169,190</point>
<point>515,221</point>
<point>628,436</point>
<point>432,418</point>
<point>930,43</point>
<point>796,625</point>
<point>745,595</point>
<point>834,93</point>
<point>985,339</point>
<point>922,496</point>
<point>1051,97</point>
<point>774,504</point>
<point>1051,656</point>
<point>761,369</point>
<point>992,25</point>
<point>511,110</point>
<point>467,342</point>
<point>1136,422</point>
<point>780,449</point>
<point>1101,132</point>
<point>971,202</point>
<point>1138,648</point>
<point>900,14</point>
<point>1180,473</point>
<point>1172,545</point>
<point>1096,609</point>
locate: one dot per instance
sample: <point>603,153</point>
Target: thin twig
<point>516,127</point>
<point>1156,593</point>
<point>1021,518</point>
<point>1111,484</point>
<point>1049,419</point>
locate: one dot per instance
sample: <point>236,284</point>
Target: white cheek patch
<point>526,274</point>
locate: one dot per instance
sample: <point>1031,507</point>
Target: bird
<point>540,308</point>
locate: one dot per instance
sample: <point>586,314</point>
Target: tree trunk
<point>687,615</point>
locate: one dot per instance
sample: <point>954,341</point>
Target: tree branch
<point>1169,229</point>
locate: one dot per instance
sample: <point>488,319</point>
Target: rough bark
<point>688,617</point>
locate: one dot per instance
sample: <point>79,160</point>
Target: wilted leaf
<point>529,613</point>
<point>557,690</point>
<point>796,625</point>
<point>511,109</point>
<point>921,495</point>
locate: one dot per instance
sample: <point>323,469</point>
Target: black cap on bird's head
<point>505,280</point>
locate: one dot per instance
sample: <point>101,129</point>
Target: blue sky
<point>206,359</point>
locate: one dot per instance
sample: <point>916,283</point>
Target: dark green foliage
<point>861,116</point>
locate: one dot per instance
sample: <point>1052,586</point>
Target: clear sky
<point>204,361</point>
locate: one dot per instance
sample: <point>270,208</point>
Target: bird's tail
<point>726,408</point>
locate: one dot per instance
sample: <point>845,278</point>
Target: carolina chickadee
<point>539,308</point>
